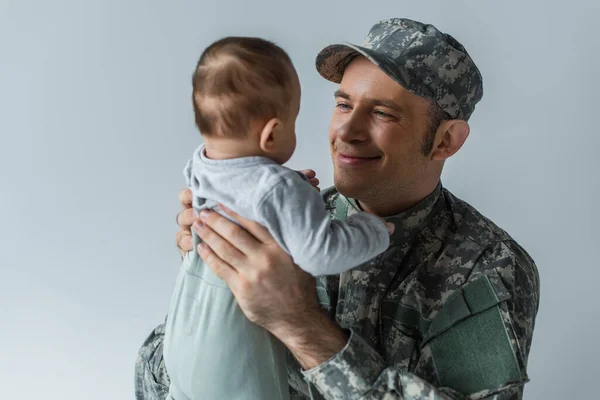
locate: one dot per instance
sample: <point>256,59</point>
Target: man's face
<point>376,134</point>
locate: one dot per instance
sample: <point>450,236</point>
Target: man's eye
<point>343,106</point>
<point>383,114</point>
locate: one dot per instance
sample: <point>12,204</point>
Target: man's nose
<point>354,129</point>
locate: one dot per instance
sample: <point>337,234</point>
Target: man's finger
<point>314,181</point>
<point>185,198</point>
<point>255,229</point>
<point>218,245</point>
<point>218,266</point>
<point>184,241</point>
<point>186,218</point>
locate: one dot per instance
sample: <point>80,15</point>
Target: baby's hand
<point>312,178</point>
<point>390,227</point>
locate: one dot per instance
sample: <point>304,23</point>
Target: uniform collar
<point>409,222</point>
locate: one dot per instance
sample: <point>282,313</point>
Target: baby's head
<point>246,99</point>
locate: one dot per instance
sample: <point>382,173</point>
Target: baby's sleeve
<point>187,173</point>
<point>295,214</point>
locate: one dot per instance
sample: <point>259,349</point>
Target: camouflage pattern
<point>151,379</point>
<point>448,272</point>
<point>419,57</point>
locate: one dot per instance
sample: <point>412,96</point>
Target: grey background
<point>96,125</point>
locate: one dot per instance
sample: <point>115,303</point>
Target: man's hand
<point>270,289</point>
<point>312,178</point>
<point>185,219</point>
<point>261,275</point>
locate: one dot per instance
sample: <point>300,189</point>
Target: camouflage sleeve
<point>151,380</point>
<point>297,382</point>
<point>476,346</point>
<point>359,372</point>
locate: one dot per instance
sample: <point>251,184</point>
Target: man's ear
<point>268,133</point>
<point>450,137</point>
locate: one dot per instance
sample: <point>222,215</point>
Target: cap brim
<point>333,60</point>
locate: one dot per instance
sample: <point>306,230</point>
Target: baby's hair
<point>239,80</point>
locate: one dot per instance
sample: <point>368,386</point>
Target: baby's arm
<point>296,216</point>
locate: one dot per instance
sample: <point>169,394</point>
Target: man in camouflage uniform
<point>448,311</point>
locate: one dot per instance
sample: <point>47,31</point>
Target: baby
<point>246,96</point>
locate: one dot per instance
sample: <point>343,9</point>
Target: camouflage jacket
<point>447,312</point>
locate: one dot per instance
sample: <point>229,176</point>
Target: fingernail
<point>201,250</point>
<point>196,213</point>
<point>204,214</point>
<point>197,225</point>
<point>390,227</point>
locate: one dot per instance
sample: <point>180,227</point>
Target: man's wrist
<point>313,339</point>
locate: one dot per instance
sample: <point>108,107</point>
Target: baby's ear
<point>268,135</point>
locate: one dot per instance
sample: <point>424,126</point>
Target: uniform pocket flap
<point>482,293</point>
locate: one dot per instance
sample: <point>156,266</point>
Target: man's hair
<point>239,80</point>
<point>436,116</point>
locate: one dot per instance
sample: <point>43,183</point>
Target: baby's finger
<point>309,173</point>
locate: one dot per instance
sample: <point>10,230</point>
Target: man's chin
<point>350,187</point>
